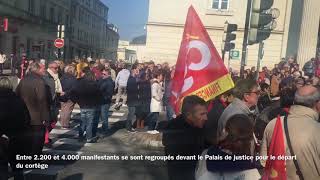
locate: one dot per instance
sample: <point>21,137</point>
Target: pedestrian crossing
<point>66,142</point>
<point>69,137</point>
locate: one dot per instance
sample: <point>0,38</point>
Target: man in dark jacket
<point>32,89</point>
<point>184,136</point>
<point>132,97</point>
<point>87,94</point>
<point>309,68</point>
<point>106,86</point>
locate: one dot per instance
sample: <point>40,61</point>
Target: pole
<point>11,60</point>
<point>229,57</point>
<point>223,53</point>
<point>260,56</point>
<point>245,38</point>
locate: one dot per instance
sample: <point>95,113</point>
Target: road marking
<point>113,120</point>
<point>61,152</point>
<point>117,114</point>
<point>72,132</point>
<point>69,141</point>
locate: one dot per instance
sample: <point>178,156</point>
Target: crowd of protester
<point>237,122</point>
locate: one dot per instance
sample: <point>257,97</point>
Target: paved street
<point>65,142</point>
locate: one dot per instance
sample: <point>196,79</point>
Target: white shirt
<point>122,78</point>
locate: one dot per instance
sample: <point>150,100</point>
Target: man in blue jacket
<point>106,86</point>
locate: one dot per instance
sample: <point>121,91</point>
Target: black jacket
<point>167,92</point>
<point>144,92</point>
<point>211,125</point>
<point>263,102</point>
<point>67,82</point>
<point>87,94</point>
<point>228,165</point>
<point>106,87</point>
<point>50,85</point>
<point>14,114</point>
<point>180,138</point>
<point>132,91</point>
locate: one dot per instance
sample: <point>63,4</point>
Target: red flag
<point>276,169</point>
<point>199,69</point>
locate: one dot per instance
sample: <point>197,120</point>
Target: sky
<point>130,16</point>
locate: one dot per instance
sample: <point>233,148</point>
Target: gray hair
<point>34,67</point>
<point>5,84</point>
<point>69,69</point>
<point>308,100</point>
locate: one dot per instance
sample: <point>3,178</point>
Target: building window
<point>60,17</point>
<point>52,14</point>
<point>66,20</point>
<point>31,6</point>
<point>79,15</point>
<point>220,4</point>
<point>43,12</point>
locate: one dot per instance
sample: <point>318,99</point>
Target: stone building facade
<point>296,32</point>
<point>33,28</point>
<point>112,42</point>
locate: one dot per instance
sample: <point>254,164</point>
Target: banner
<point>199,69</point>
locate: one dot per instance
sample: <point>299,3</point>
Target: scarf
<point>58,87</point>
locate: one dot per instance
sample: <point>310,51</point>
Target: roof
<point>139,40</point>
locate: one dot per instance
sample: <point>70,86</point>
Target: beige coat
<point>156,97</point>
<point>304,131</point>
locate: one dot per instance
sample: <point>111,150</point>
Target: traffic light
<point>261,21</point>
<point>229,36</point>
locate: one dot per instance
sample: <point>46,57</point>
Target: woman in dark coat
<point>144,95</point>
<point>15,119</point>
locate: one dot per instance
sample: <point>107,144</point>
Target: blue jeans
<point>170,112</point>
<point>87,123</point>
<point>96,121</point>
<point>152,120</point>
<point>105,116</point>
<point>131,113</point>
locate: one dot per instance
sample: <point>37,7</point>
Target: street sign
<point>59,43</point>
<point>234,54</point>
